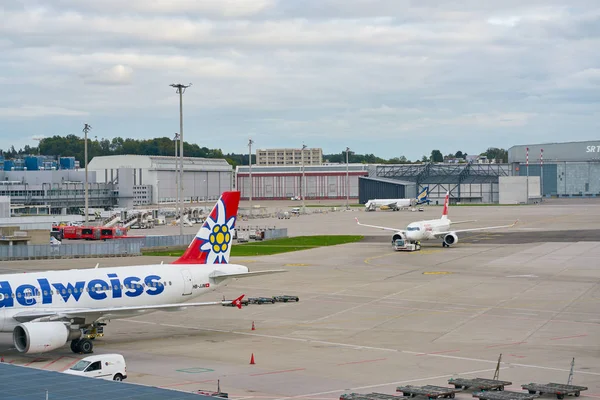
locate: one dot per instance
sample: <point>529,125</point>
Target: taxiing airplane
<point>433,229</point>
<point>397,204</point>
<point>45,310</point>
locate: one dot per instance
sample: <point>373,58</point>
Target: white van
<point>105,366</point>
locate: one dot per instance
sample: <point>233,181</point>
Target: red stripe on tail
<point>446,202</point>
<point>212,244</point>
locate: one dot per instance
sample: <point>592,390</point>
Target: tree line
<point>73,146</point>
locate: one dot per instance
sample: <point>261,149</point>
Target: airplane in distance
<point>433,229</point>
<point>397,204</point>
<point>45,310</point>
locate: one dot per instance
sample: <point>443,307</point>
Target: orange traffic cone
<point>252,359</point>
<point>253,327</point>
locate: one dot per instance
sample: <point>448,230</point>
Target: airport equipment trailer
<point>261,300</point>
<point>558,389</point>
<point>285,298</point>
<point>429,391</point>
<point>479,383</point>
<point>504,395</point>
<point>370,396</point>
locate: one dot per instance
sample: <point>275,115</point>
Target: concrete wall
<point>4,207</point>
<point>513,189</point>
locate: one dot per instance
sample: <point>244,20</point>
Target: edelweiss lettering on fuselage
<point>44,291</point>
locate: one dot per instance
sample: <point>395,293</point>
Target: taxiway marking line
<point>52,362</point>
<point>438,352</point>
<point>278,372</point>
<point>387,384</point>
<point>367,303</point>
<point>504,344</point>
<point>363,361</point>
<point>359,347</point>
<point>187,383</point>
<point>568,337</point>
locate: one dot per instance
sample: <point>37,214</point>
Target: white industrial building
<point>326,181</point>
<point>143,179</point>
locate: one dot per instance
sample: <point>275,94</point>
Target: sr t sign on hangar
<point>593,149</point>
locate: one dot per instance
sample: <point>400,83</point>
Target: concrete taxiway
<point>370,319</point>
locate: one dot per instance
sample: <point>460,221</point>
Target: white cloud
<point>333,70</point>
<point>38,111</point>
<point>117,75</point>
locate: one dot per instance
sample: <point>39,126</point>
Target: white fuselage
<point>392,203</point>
<point>145,285</point>
<point>426,230</point>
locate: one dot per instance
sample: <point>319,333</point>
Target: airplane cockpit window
<point>412,228</point>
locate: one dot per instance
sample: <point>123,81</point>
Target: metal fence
<point>115,248</point>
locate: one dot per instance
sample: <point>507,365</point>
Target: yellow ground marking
<point>296,265</point>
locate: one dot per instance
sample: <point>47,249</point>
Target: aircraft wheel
<point>86,346</point>
<point>75,346</point>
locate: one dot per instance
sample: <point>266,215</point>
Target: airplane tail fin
<point>422,197</point>
<point>446,204</point>
<point>212,244</point>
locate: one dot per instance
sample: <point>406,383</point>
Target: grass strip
<point>276,246</point>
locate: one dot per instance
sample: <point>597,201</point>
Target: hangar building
<point>327,181</point>
<point>153,179</point>
<point>466,182</point>
<point>569,169</point>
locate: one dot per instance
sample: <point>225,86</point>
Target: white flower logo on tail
<point>216,236</point>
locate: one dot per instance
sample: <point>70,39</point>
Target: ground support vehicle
<point>504,395</point>
<point>479,384</point>
<point>370,396</point>
<point>285,298</point>
<point>405,245</point>
<point>261,300</point>
<point>230,303</point>
<point>558,389</point>
<point>429,391</point>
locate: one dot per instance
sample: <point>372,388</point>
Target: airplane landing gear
<point>82,346</point>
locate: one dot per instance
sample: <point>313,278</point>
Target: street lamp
<point>86,129</point>
<point>175,139</point>
<point>180,90</point>
<point>250,143</point>
<point>303,183</point>
<point>347,180</point>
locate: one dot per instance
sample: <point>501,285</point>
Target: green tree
<point>436,156</point>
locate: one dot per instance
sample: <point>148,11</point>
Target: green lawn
<point>276,246</point>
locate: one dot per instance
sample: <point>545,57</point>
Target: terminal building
<point>569,169</point>
<point>141,180</point>
<point>289,156</point>
<point>326,181</point>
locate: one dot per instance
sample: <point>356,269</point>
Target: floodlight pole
<point>347,180</point>
<point>303,183</point>
<point>250,143</point>
<point>86,129</point>
<point>180,90</point>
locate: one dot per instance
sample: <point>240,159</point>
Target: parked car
<point>110,367</point>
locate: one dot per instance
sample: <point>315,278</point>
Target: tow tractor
<point>405,245</point>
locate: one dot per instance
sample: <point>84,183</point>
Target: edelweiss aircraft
<point>433,229</point>
<point>397,204</point>
<point>45,310</point>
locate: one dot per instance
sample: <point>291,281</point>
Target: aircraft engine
<point>40,337</point>
<point>450,239</point>
<point>397,235</point>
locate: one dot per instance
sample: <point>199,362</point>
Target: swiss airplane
<point>433,229</point>
<point>45,310</point>
<point>397,204</point>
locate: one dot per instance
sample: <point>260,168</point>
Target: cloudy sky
<point>389,77</point>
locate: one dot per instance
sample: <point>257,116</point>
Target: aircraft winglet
<point>238,302</point>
